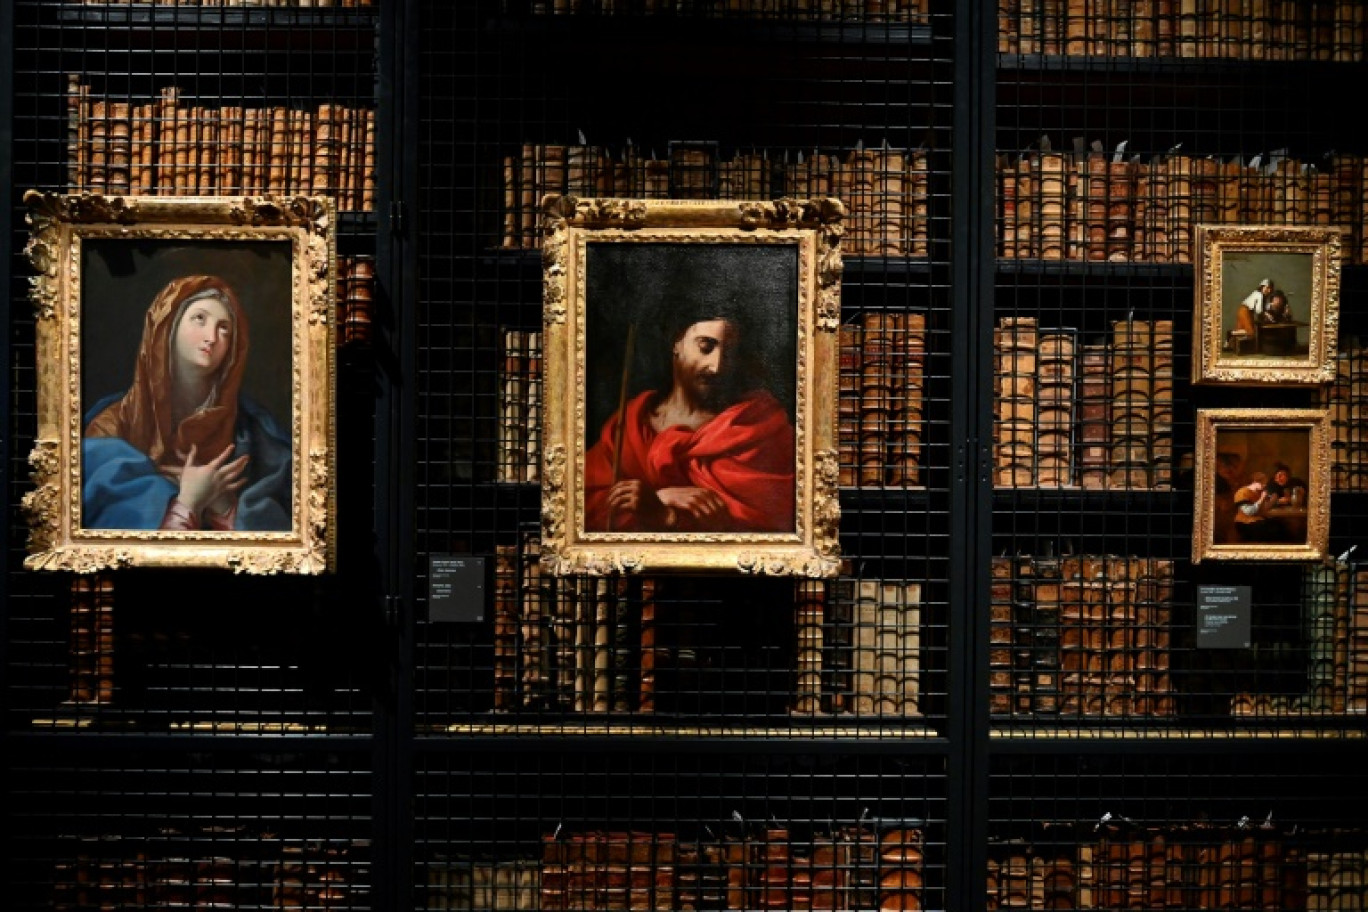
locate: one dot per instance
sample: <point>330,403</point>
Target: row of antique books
<point>1081,636</point>
<point>880,406</point>
<point>885,190</point>
<point>1089,204</point>
<point>1095,414</point>
<point>856,867</point>
<point>1336,643</point>
<point>518,444</point>
<point>222,3</point>
<point>600,644</point>
<point>916,11</point>
<point>1331,30</point>
<point>162,147</point>
<point>1194,866</point>
<point>212,868</point>
<point>1347,399</point>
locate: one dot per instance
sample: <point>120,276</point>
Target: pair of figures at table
<point>1265,306</point>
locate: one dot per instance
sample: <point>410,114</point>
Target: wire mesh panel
<point>209,829</point>
<point>687,831</point>
<point>197,100</point>
<point>1117,135</point>
<point>711,101</point>
<point>1101,832</point>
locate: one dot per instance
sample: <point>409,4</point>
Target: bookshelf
<point>1002,702</point>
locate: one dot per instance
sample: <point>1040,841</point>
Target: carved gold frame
<point>58,225</point>
<point>1210,425</point>
<point>1210,362</point>
<point>814,227</point>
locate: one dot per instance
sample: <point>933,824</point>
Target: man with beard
<point>712,453</point>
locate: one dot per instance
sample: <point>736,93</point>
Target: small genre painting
<point>690,385</point>
<point>196,371</point>
<point>1267,308</point>
<point>1262,484</point>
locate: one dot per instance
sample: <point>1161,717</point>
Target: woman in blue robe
<point>183,449</point>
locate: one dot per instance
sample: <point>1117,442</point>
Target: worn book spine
<point>810,600</point>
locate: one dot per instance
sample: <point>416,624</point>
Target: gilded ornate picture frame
<point>712,327</point>
<point>1262,485</point>
<point>185,383</point>
<point>1267,304</point>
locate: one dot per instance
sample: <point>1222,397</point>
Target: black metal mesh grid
<point>492,81</point>
<point>689,830</point>
<point>724,105</point>
<point>130,828</point>
<point>1114,139</point>
<point>1092,831</point>
<point>182,651</point>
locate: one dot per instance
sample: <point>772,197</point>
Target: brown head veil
<point>143,415</point>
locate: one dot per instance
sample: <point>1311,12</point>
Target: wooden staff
<point>622,415</point>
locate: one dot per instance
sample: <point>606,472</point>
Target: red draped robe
<point>745,455</point>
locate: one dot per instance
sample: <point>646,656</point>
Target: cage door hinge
<point>391,610</point>
<point>397,217</point>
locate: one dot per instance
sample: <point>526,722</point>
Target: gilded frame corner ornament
<point>160,241</point>
<point>1236,453</point>
<point>1301,260</point>
<point>804,236</point>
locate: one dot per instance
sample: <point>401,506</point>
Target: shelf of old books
<point>216,828</point>
<point>704,830</point>
<point>1091,835</point>
<point>1037,33</point>
<point>243,23</point>
<point>692,657</point>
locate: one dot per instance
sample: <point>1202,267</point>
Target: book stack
<point>1355,646</point>
<point>581,643</point>
<point>1132,412</point>
<point>1080,636</point>
<point>1325,595</point>
<point>900,11</point>
<point>901,874</point>
<point>1115,616</point>
<point>1015,347</point>
<point>1347,398</point>
<point>1011,872</point>
<point>810,623</point>
<point>506,610</point>
<point>165,148</point>
<point>1004,573</point>
<point>608,870</point>
<point>536,597</point>
<point>1089,205</point>
<point>1094,416</point>
<point>355,298</point>
<point>520,395</point>
<point>886,657</point>
<point>849,401</point>
<point>1054,449</point>
<point>317,875</point>
<point>92,639</point>
<point>458,885</point>
<point>1330,30</point>
<point>1335,879</point>
<point>889,404</point>
<point>886,190</point>
<point>304,4</point>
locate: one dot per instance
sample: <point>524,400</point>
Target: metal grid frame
<point>402,707</point>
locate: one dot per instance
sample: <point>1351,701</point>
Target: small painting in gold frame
<point>1262,485</point>
<point>1266,307</point>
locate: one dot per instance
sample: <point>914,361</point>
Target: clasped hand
<point>667,507</point>
<point>214,485</point>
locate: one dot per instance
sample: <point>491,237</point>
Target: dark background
<point>121,277</point>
